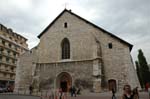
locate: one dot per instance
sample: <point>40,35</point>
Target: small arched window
<point>65,47</point>
<point>65,25</point>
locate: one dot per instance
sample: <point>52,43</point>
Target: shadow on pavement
<point>5,96</point>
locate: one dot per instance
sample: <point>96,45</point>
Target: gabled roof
<point>101,29</point>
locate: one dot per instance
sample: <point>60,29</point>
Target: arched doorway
<point>64,81</point>
<point>112,84</point>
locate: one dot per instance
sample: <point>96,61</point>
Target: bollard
<point>24,92</point>
<point>63,97</point>
<point>37,93</point>
<point>52,96</point>
<point>56,97</point>
<point>41,93</point>
<point>46,93</point>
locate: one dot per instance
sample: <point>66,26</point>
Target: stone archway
<point>64,81</point>
<point>112,84</point>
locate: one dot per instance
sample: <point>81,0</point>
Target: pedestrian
<point>60,93</point>
<point>30,89</point>
<point>113,93</point>
<point>71,92</point>
<point>78,91</point>
<point>149,90</point>
<point>127,92</point>
<point>74,91</point>
<point>135,93</point>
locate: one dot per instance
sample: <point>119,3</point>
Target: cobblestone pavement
<point>5,96</point>
<point>143,95</point>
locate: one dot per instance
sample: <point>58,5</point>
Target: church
<point>75,52</point>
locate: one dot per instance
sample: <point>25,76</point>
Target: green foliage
<point>139,74</point>
<point>143,68</point>
<point>142,60</point>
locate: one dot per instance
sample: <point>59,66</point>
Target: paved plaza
<point>18,97</point>
<point>143,95</point>
<point>107,96</point>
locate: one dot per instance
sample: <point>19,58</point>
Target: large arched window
<point>65,47</point>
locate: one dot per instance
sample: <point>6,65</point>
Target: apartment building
<point>11,46</point>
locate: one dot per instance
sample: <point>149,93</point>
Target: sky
<point>127,19</point>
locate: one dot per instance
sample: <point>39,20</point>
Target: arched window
<point>65,47</point>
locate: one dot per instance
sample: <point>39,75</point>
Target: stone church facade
<point>74,52</point>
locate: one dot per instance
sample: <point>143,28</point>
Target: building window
<point>1,50</point>
<point>4,74</point>
<point>9,45</point>
<point>65,25</point>
<point>8,52</point>
<point>13,61</point>
<point>10,38</point>
<point>6,68</point>
<point>3,42</point>
<point>11,76</point>
<point>14,54</point>
<point>110,45</point>
<point>7,60</point>
<point>16,41</point>
<point>12,69</point>
<point>16,48</point>
<point>65,46</point>
<point>0,58</point>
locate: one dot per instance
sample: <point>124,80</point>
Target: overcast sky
<point>128,19</point>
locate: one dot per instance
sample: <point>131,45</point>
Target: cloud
<point>128,19</point>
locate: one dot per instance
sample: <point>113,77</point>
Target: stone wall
<point>25,70</point>
<point>80,71</point>
<point>81,41</point>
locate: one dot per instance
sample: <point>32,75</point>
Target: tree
<point>144,69</point>
<point>139,74</point>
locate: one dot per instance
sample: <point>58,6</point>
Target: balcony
<point>8,55</point>
<point>6,71</point>
<point>7,47</point>
<point>3,78</point>
<point>8,63</point>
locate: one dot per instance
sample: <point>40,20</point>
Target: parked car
<point>5,89</point>
<point>1,90</point>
